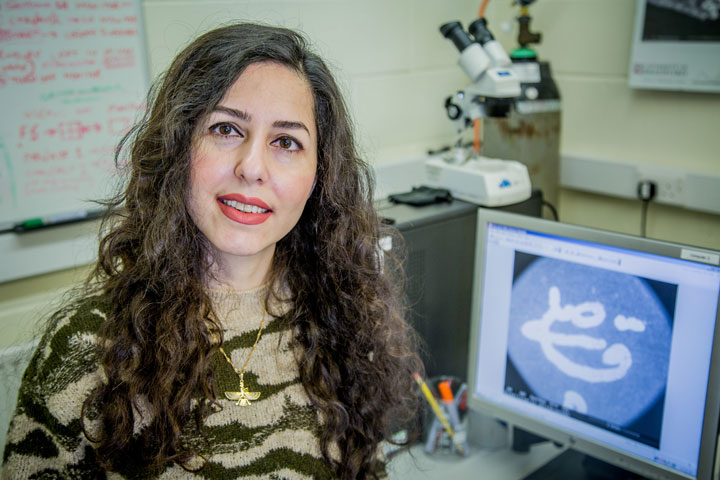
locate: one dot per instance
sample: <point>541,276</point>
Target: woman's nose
<point>252,162</point>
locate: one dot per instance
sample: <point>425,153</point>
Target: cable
<point>643,217</point>
<point>552,208</point>
<point>444,148</point>
<point>483,6</point>
<point>646,191</point>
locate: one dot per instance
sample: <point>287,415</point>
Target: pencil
<point>438,411</point>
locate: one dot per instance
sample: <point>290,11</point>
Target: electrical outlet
<point>691,189</point>
<point>669,183</point>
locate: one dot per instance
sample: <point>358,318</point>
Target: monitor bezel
<point>711,417</point>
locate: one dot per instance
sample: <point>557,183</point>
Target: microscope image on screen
<point>590,343</point>
<point>689,20</point>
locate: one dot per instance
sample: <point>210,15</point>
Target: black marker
<point>55,220</point>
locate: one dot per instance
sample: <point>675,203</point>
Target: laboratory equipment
<point>603,342</point>
<point>530,133</point>
<point>479,179</point>
<point>438,262</point>
<point>495,86</point>
<point>485,181</point>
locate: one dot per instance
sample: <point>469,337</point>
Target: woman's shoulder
<point>81,318</point>
<point>68,348</point>
<point>45,432</point>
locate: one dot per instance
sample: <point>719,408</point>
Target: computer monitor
<point>600,341</point>
<point>676,45</point>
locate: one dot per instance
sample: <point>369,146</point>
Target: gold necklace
<point>244,396</point>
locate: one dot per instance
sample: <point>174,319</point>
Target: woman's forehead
<point>270,92</point>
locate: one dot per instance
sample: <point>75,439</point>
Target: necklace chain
<point>243,396</point>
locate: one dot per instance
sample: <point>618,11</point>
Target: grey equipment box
<point>440,257</point>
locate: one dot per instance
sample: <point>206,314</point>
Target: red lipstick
<point>246,200</point>
<point>238,216</point>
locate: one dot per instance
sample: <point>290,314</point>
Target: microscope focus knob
<point>453,109</point>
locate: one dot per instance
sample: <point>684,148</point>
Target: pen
<point>438,412</point>
<point>452,406</point>
<point>447,396</point>
<point>54,220</point>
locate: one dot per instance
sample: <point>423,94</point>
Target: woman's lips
<point>246,200</point>
<point>245,218</point>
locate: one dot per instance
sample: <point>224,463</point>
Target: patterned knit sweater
<point>276,437</point>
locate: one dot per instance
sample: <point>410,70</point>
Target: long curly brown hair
<point>154,262</point>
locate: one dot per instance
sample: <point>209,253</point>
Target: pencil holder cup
<point>445,433</point>
<point>485,432</point>
<point>438,440</point>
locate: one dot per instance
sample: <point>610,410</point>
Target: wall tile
<point>392,110</point>
<point>664,222</point>
<point>360,37</point>
<point>428,47</point>
<point>604,117</point>
<point>171,25</point>
<point>579,36</point>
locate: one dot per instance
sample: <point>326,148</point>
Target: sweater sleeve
<point>45,438</point>
<point>381,463</point>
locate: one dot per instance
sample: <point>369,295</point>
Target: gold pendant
<point>242,397</point>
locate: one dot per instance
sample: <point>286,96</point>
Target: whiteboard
<point>73,79</point>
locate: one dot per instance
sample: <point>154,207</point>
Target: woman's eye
<point>224,129</point>
<point>287,143</point>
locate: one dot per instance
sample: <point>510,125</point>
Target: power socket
<point>697,190</point>
<point>669,183</point>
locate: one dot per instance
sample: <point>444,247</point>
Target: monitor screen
<point>676,45</point>
<point>598,340</point>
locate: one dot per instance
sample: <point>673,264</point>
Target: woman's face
<point>253,164</point>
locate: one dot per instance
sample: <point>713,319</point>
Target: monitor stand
<point>570,464</point>
<point>578,466</point>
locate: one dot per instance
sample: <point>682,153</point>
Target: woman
<point>239,323</point>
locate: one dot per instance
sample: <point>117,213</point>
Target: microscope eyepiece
<point>473,59</point>
<point>454,31</point>
<point>479,30</point>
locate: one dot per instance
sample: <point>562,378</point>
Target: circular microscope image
<point>593,341</point>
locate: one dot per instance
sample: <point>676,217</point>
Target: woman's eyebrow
<point>243,115</point>
<point>291,125</point>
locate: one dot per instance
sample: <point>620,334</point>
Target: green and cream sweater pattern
<point>277,437</point>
